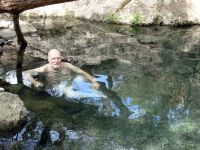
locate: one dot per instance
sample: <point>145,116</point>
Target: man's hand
<point>95,86</point>
<point>38,84</point>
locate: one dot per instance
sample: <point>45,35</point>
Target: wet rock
<point>1,51</point>
<point>183,41</point>
<point>12,111</point>
<point>1,89</point>
<point>73,135</point>
<point>85,42</point>
<point>2,42</point>
<point>7,34</point>
<point>37,132</point>
<point>27,138</point>
<point>147,39</point>
<point>1,71</point>
<point>81,140</point>
<point>54,136</point>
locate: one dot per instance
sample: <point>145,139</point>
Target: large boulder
<point>127,11</point>
<point>12,111</point>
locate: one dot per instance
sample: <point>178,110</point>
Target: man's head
<point>54,58</point>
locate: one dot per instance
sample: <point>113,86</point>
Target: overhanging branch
<point>18,6</point>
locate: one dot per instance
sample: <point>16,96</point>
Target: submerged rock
<point>54,135</point>
<point>12,112</point>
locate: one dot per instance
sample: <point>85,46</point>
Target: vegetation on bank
<point>136,19</point>
<point>111,17</point>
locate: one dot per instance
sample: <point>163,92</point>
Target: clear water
<point>151,103</point>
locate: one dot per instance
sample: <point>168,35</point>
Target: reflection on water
<point>135,109</point>
<point>79,91</point>
<point>11,78</point>
<point>177,114</point>
<point>149,97</point>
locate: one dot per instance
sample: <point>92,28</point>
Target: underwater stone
<point>54,135</point>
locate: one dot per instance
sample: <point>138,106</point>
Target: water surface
<point>151,83</point>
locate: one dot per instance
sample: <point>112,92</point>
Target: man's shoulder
<point>66,64</point>
<point>43,68</point>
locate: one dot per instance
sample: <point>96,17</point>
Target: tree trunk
<point>18,6</point>
<point>23,45</point>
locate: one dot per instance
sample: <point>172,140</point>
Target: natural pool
<point>152,91</point>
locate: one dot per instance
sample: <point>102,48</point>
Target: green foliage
<point>111,17</point>
<point>136,19</point>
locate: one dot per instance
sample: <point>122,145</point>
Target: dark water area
<point>151,83</point>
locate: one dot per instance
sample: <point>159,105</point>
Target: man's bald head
<point>54,52</point>
<point>54,58</point>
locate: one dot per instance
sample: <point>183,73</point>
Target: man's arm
<point>28,74</point>
<point>85,74</point>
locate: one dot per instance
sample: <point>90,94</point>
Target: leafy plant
<point>111,17</point>
<point>136,19</point>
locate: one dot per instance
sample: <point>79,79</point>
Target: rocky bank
<point>165,12</point>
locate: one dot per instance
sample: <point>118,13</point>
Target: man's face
<point>54,59</point>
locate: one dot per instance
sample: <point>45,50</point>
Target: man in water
<point>57,70</point>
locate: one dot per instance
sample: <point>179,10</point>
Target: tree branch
<point>18,6</point>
